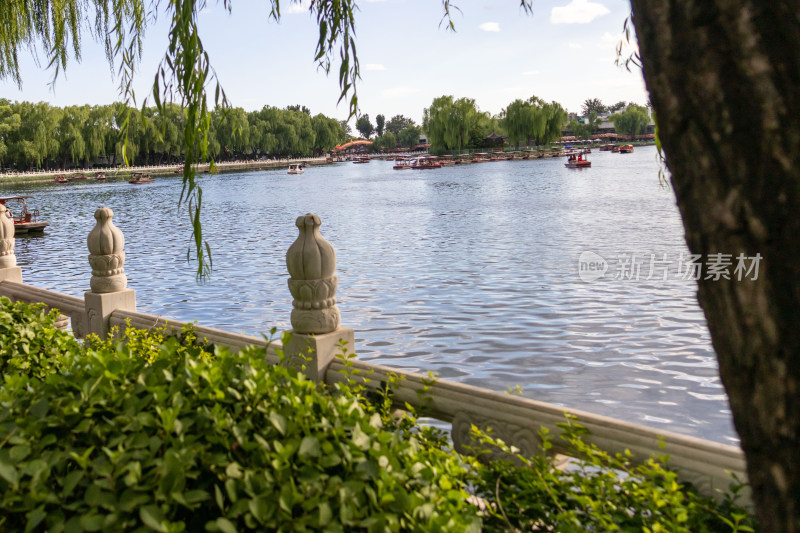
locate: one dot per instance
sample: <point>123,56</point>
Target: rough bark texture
<point>724,79</point>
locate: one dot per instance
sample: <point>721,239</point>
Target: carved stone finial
<point>7,241</point>
<point>311,261</point>
<point>106,254</point>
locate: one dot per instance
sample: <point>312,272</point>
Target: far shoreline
<point>45,176</point>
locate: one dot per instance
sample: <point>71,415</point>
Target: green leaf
<point>92,522</point>
<point>278,421</point>
<point>18,453</point>
<point>34,518</point>
<point>196,496</point>
<point>309,447</point>
<point>225,525</point>
<point>219,497</point>
<point>9,473</point>
<point>70,480</point>
<point>325,514</point>
<point>153,517</point>
<point>260,509</point>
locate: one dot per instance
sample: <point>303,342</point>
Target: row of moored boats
<point>136,179</point>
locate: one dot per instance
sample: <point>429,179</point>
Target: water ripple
<point>469,271</point>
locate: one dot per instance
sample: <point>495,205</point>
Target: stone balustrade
<point>317,338</point>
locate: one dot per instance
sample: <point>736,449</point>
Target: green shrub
<point>30,343</point>
<point>596,491</point>
<point>152,432</point>
<point>227,443</point>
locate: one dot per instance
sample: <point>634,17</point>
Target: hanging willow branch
<point>185,72</point>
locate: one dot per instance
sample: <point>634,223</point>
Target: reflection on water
<point>469,271</point>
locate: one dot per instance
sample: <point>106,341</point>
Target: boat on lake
<point>61,179</point>
<point>578,161</point>
<point>138,179</point>
<point>401,163</point>
<point>626,149</point>
<point>424,163</point>
<point>361,159</point>
<point>25,220</point>
<point>296,168</point>
<point>100,176</point>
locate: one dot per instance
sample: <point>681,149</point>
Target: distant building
<point>494,140</point>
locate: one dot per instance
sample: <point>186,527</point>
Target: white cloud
<point>611,39</point>
<point>531,73</point>
<point>296,8</point>
<point>490,26</point>
<point>398,92</point>
<point>578,12</point>
<point>374,66</point>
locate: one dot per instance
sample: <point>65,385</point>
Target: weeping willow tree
<point>448,123</point>
<point>534,119</point>
<point>59,28</point>
<point>524,119</point>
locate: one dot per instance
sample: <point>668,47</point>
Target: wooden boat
<point>424,163</point>
<point>138,179</point>
<point>361,159</point>
<point>25,221</point>
<point>61,179</point>
<point>446,161</point>
<point>296,168</point>
<point>481,157</point>
<point>401,163</point>
<point>578,161</point>
<point>100,176</point>
<point>626,149</point>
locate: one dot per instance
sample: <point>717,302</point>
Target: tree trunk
<point>724,80</point>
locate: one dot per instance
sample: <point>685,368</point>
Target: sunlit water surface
<point>468,271</point>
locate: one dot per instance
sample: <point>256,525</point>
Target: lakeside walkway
<point>157,170</point>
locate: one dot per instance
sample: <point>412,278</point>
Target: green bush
<point>152,432</point>
<point>30,344</point>
<point>171,442</point>
<point>595,491</point>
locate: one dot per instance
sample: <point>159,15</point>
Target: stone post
<point>108,283</point>
<point>9,271</point>
<point>316,334</point>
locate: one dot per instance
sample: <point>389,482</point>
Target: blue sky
<point>564,51</point>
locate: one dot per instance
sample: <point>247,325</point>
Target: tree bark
<point>724,80</point>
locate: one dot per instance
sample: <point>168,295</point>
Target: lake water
<point>469,271</point>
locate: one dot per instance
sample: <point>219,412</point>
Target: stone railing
<point>318,338</point>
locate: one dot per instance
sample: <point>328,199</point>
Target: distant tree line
<point>398,132</point>
<point>43,136</point>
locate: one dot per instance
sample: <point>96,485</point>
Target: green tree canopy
<point>448,123</point>
<point>398,123</point>
<point>386,141</point>
<point>593,104</point>
<point>409,136</point>
<point>380,121</point>
<point>523,120</point>
<point>364,126</point>
<point>632,121</point>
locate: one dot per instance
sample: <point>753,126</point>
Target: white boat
<point>296,168</point>
<point>25,220</point>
